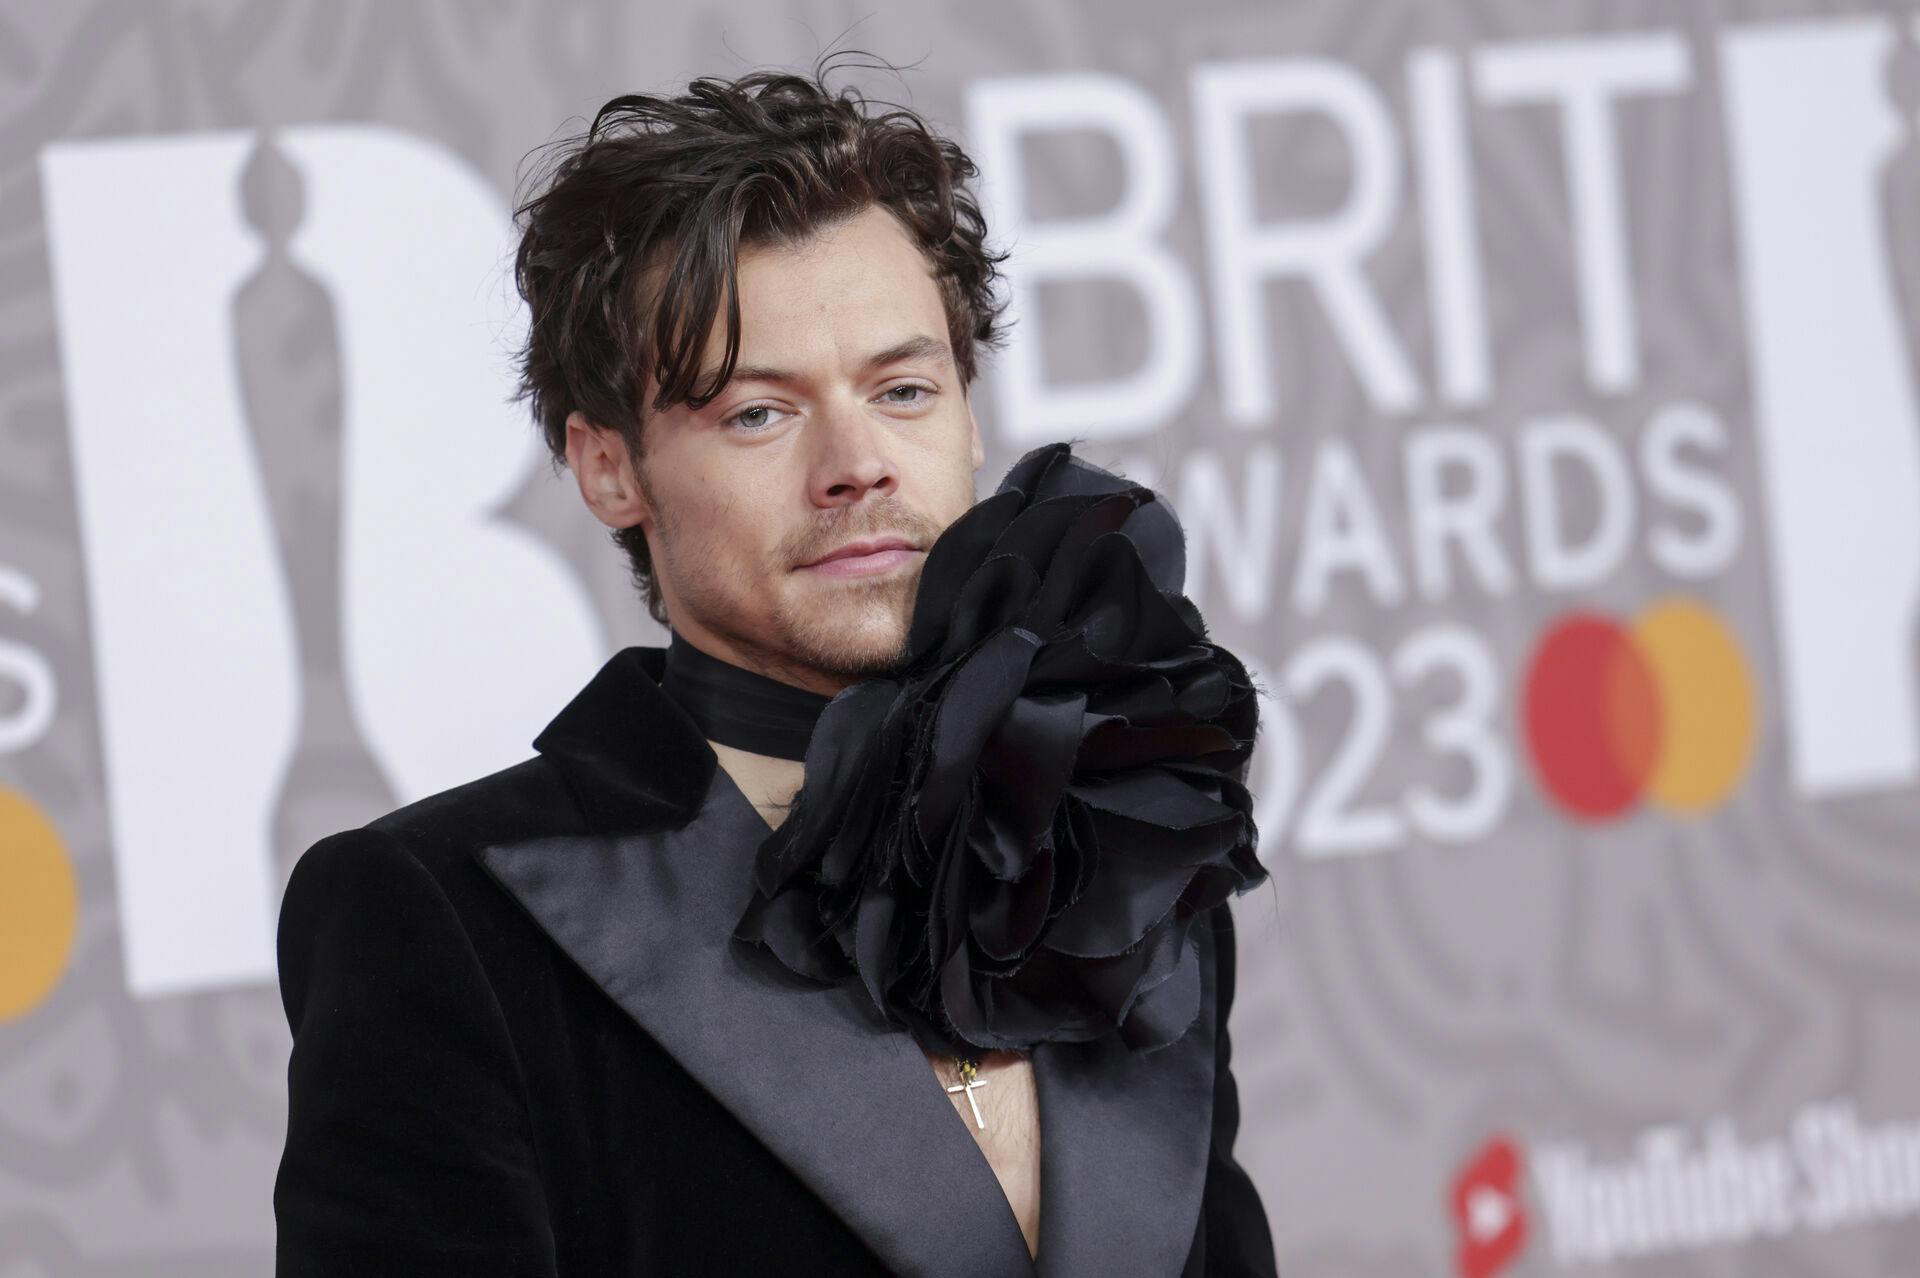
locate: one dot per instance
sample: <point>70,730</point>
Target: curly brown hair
<point>630,242</point>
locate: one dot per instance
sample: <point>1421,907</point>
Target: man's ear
<point>601,465</point>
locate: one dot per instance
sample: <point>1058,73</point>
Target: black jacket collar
<point>632,756</point>
<point>646,902</point>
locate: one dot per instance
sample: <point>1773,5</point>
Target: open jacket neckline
<point>645,904</point>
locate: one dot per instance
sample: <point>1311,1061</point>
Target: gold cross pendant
<point>970,1079</point>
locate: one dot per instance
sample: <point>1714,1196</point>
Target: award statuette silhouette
<point>288,352</point>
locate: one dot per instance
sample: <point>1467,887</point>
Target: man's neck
<point>763,662</point>
<point>768,783</point>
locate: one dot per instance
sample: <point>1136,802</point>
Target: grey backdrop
<point>1692,1028</point>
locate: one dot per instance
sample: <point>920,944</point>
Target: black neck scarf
<point>738,707</point>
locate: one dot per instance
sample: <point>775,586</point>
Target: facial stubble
<point>845,627</point>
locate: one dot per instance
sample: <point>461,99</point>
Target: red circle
<point>1592,714</point>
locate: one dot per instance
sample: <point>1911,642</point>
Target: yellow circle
<point>39,905</point>
<point>1706,700</point>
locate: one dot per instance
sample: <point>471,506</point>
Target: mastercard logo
<point>1661,709</point>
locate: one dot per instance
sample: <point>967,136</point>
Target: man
<point>525,1041</point>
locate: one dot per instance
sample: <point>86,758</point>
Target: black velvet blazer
<point>524,1043</point>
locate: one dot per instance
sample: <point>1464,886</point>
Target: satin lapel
<point>849,1105</point>
<point>1124,1147</point>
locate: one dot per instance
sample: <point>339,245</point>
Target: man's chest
<point>1007,1127</point>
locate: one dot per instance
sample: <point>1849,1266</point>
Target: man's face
<point>845,423</point>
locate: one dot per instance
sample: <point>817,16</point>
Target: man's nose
<point>852,458</point>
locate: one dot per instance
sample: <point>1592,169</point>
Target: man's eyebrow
<point>919,346</point>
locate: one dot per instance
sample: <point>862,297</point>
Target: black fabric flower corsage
<point>1007,841</point>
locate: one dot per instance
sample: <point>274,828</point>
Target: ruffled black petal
<point>1008,840</point>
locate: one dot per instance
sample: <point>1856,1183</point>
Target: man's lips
<point>867,546</point>
<point>861,558</point>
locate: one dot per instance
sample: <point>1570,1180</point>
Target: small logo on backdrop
<point>1663,708</point>
<point>1487,1211</point>
<point>1676,1188</point>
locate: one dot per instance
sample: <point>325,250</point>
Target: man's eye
<point>918,394</point>
<point>741,418</point>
